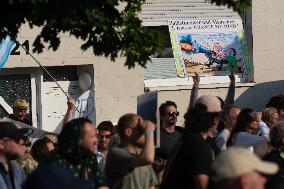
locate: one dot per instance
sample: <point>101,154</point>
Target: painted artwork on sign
<point>207,46</point>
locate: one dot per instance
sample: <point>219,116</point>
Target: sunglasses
<point>172,114</point>
<point>105,136</point>
<point>22,109</point>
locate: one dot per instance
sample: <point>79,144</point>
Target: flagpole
<point>45,71</point>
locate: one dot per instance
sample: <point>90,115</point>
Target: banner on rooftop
<point>209,46</point>
<point>5,47</point>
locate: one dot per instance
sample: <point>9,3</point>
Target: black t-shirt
<point>213,146</point>
<point>25,121</point>
<point>191,156</point>
<point>167,143</point>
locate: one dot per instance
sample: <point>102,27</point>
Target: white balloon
<point>85,81</point>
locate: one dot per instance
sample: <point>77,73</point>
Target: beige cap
<point>238,161</point>
<point>212,103</point>
<point>20,103</point>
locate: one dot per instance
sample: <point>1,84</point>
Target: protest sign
<point>206,46</point>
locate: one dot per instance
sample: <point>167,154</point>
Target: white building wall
<point>268,48</point>
<point>116,88</point>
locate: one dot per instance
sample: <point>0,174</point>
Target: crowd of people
<point>220,146</point>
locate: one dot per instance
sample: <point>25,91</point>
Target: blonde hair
<point>267,113</point>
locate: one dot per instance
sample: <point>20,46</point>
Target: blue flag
<point>5,47</point>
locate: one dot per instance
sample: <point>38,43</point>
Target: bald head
<point>212,103</point>
<point>230,116</point>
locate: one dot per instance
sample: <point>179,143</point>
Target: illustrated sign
<point>207,46</point>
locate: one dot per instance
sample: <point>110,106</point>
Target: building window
<point>13,87</point>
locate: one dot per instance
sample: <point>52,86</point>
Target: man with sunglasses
<point>169,133</point>
<point>105,131</point>
<point>12,175</point>
<point>20,109</point>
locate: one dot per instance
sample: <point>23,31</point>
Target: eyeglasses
<point>172,114</point>
<point>22,110</point>
<point>105,136</point>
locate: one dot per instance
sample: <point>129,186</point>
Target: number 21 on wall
<point>16,50</point>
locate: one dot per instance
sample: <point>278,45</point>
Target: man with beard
<point>105,132</point>
<point>169,133</point>
<point>74,164</point>
<point>12,175</point>
<point>129,166</point>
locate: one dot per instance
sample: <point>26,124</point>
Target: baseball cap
<point>212,103</point>
<point>20,103</point>
<point>238,161</point>
<point>10,130</point>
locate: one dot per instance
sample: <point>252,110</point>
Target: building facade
<point>116,88</point>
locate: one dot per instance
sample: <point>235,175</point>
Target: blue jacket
<point>18,176</point>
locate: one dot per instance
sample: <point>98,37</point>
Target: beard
<point>12,156</point>
<point>173,121</point>
<point>139,145</point>
<point>102,146</point>
<point>170,122</point>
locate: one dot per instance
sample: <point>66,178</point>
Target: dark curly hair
<point>163,106</point>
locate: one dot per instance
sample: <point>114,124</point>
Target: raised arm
<point>194,90</point>
<point>230,98</point>
<point>71,106</point>
<point>148,153</point>
<point>264,130</point>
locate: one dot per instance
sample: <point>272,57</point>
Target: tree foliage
<point>110,27</point>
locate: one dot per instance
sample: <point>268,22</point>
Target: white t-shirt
<point>222,139</point>
<point>264,129</point>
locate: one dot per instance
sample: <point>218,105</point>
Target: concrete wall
<point>268,28</point>
<point>116,89</point>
